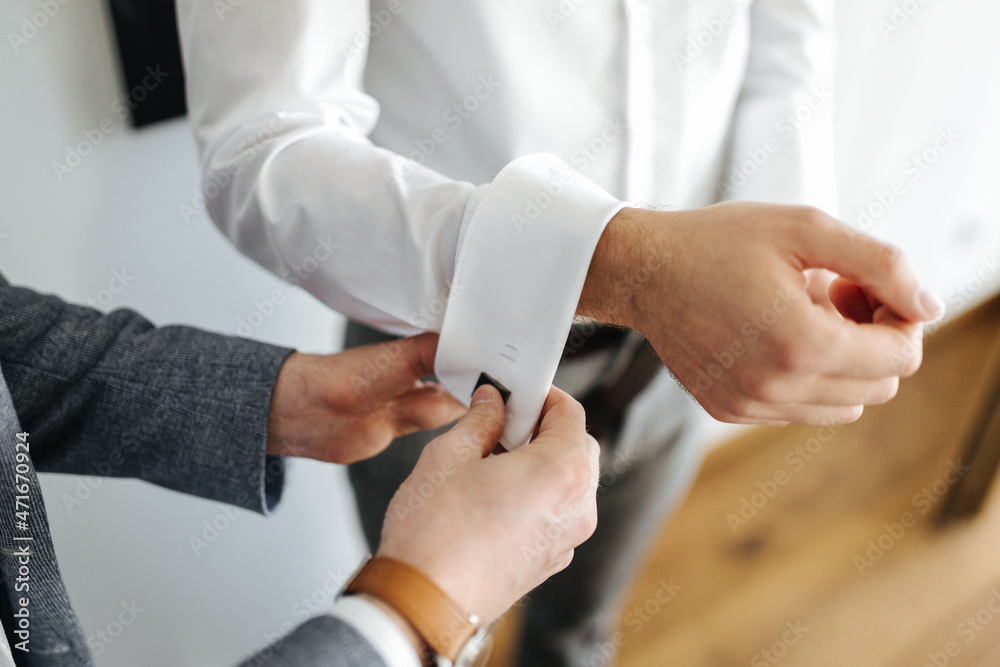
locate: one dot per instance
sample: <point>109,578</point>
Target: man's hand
<point>488,530</point>
<point>349,406</point>
<point>736,311</point>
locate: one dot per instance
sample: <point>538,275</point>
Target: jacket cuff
<point>216,447</point>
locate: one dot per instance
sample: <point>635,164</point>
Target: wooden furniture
<point>982,447</point>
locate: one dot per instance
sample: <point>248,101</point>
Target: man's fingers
<point>418,353</point>
<point>829,390</point>
<point>426,407</point>
<point>851,301</point>
<point>562,416</point>
<point>881,269</point>
<point>481,427</point>
<point>390,369</point>
<point>890,346</point>
<point>814,415</point>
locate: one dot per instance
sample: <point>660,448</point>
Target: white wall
<point>120,209</point>
<point>897,88</point>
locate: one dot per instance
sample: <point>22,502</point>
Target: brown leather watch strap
<point>436,617</point>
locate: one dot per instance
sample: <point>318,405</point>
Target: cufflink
<point>486,378</point>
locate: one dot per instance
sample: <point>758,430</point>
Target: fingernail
<point>483,395</point>
<point>933,306</point>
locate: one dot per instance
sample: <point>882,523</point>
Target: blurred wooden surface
<point>842,561</point>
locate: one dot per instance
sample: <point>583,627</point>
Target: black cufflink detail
<point>486,378</point>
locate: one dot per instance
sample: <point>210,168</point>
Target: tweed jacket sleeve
<point>114,396</point>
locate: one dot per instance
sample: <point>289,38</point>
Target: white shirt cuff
<point>523,256</point>
<point>379,630</point>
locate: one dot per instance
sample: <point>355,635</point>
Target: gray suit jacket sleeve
<point>321,642</point>
<point>114,396</point>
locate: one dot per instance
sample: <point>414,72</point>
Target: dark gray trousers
<point>570,619</point>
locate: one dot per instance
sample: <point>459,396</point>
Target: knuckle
<point>841,416</point>
<point>560,563</point>
<point>478,432</point>
<point>792,356</point>
<point>887,391</point>
<point>764,389</point>
<point>588,525</point>
<point>804,221</point>
<point>889,258</point>
<point>909,357</point>
<point>578,474</point>
<point>740,407</point>
<point>578,412</point>
<point>812,216</point>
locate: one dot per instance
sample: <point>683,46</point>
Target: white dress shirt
<point>432,165</point>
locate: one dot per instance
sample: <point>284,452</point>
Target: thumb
<point>881,269</point>
<point>481,427</point>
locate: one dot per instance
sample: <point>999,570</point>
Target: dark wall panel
<point>150,52</point>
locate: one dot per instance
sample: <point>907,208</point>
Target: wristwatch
<point>455,637</point>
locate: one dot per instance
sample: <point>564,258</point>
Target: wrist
<point>606,295</point>
<point>288,399</point>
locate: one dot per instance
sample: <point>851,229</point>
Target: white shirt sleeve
<point>378,630</point>
<point>275,96</point>
<point>782,145</point>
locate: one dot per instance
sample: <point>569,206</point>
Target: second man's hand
<point>735,308</point>
<point>347,407</point>
<point>472,522</point>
